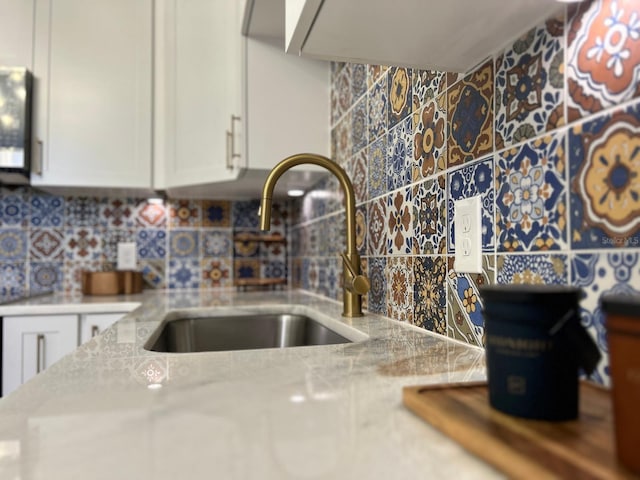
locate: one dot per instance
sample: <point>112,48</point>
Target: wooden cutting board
<point>521,448</point>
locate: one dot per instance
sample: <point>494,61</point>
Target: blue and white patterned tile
<point>245,214</point>
<point>14,208</point>
<point>429,293</point>
<point>359,128</point>
<point>153,272</point>
<point>47,210</point>
<point>430,138</point>
<point>377,301</point>
<point>13,245</point>
<point>604,161</point>
<point>400,154</point>
<point>400,222</point>
<point>430,216</point>
<point>13,282</point>
<point>184,273</point>
<point>151,243</point>
<point>216,243</point>
<point>358,80</point>
<point>82,244</point>
<point>82,212</point>
<point>531,203</point>
<point>400,278</point>
<point>273,269</point>
<point>45,277</point>
<point>46,244</point>
<point>538,269</point>
<point>599,274</point>
<point>427,85</point>
<point>377,167</point>
<point>377,109</point>
<point>530,84</point>
<point>400,94</point>
<point>184,244</point>
<point>464,313</point>
<point>466,182</point>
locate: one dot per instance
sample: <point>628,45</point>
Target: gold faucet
<point>355,284</point>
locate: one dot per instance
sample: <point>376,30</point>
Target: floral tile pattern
<point>430,299</point>
<point>46,244</point>
<point>377,166</point>
<point>82,212</point>
<point>604,161</point>
<point>377,301</point>
<point>400,222</point>
<point>82,244</point>
<point>216,243</point>
<point>245,214</point>
<point>46,210</point>
<point>599,274</point>
<point>273,269</point>
<point>539,269</point>
<point>14,208</point>
<point>476,179</point>
<point>430,217</point>
<point>429,138</point>
<point>358,80</point>
<point>377,232</point>
<point>427,85</point>
<point>377,109</point>
<point>185,213</point>
<point>470,116</point>
<point>45,277</point>
<point>184,273</point>
<point>399,155</point>
<point>530,84</point>
<point>184,243</point>
<point>400,296</point>
<point>216,213</point>
<point>399,94</point>
<point>603,53</point>
<point>464,317</point>
<point>216,273</point>
<point>359,126</point>
<point>151,243</point>
<point>375,73</point>
<point>151,214</point>
<point>13,278</point>
<point>13,245</point>
<point>119,213</point>
<point>531,203</point>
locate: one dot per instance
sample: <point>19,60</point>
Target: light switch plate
<point>126,256</point>
<point>468,235</point>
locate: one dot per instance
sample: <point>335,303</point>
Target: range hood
<point>15,125</point>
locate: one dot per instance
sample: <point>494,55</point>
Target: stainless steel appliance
<point>15,125</point>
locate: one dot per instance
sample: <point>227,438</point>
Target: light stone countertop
<point>113,410</point>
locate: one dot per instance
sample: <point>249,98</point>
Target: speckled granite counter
<point>112,410</point>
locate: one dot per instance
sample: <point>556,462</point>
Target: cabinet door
<point>198,92</point>
<point>93,93</point>
<point>16,33</point>
<point>92,324</point>
<point>30,344</point>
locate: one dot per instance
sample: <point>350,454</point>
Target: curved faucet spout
<point>352,276</point>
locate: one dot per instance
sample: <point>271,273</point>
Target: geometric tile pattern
<point>14,208</point>
<point>429,138</point>
<point>185,213</point>
<point>400,298</point>
<point>538,269</point>
<point>429,293</point>
<point>399,155</point>
<point>430,217</point>
<point>399,94</point>
<point>46,210</point>
<point>46,244</point>
<point>45,277</point>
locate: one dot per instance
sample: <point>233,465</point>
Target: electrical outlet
<point>468,235</point>
<point>126,256</point>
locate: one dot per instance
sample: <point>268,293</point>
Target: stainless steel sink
<point>241,332</point>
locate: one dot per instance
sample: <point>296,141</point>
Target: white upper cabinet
<point>198,116</point>
<point>16,33</point>
<point>93,93</point>
<point>446,35</point>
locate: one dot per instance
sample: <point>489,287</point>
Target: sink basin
<point>241,332</point>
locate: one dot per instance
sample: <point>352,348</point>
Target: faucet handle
<point>359,284</point>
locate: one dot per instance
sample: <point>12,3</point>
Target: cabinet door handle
<point>37,168</point>
<point>94,330</point>
<point>228,151</point>
<point>234,119</point>
<point>41,353</point>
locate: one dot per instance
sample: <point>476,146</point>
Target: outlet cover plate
<point>468,235</point>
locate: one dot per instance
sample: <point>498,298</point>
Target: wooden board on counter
<point>522,448</point>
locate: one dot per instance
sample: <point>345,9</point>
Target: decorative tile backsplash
<point>547,132</point>
<point>47,240</point>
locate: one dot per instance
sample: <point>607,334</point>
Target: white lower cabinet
<point>30,344</point>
